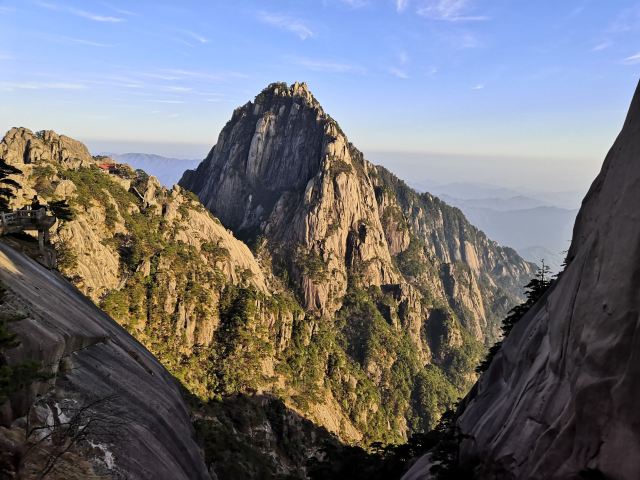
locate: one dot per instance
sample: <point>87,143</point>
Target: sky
<point>500,91</point>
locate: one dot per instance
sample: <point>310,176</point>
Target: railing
<point>20,217</point>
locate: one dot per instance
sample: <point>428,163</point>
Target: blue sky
<point>511,83</point>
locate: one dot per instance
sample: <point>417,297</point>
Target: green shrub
<point>312,265</point>
<point>411,262</point>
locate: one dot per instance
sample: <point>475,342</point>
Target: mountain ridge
<point>226,183</point>
<point>370,326</point>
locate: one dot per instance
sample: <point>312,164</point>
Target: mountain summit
<point>284,172</point>
<point>399,290</point>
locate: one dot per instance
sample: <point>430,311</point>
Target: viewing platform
<point>23,220</point>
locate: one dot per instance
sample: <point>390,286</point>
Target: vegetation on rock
<point>384,365</point>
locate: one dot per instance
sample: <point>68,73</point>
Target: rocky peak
<point>284,170</point>
<point>22,146</point>
<point>297,90</point>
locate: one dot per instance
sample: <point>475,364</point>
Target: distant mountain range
<point>537,224</point>
<point>167,169</point>
<point>569,199</point>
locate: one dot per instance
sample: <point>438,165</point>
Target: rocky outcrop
<point>49,162</point>
<point>559,399</point>
<point>361,305</point>
<point>283,169</point>
<point>372,262</point>
<point>134,421</point>
<point>21,146</point>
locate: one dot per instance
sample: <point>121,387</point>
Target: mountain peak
<point>300,89</point>
<point>284,171</point>
<point>276,92</point>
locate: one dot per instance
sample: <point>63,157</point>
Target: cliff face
<point>284,171</point>
<point>559,400</point>
<point>106,401</point>
<point>362,307</point>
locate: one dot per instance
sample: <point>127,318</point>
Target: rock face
<point>361,306</point>
<point>560,399</point>
<point>21,146</point>
<point>284,170</point>
<point>144,426</point>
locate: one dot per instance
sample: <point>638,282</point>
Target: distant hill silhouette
<point>168,170</point>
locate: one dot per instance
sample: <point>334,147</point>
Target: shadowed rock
<point>93,358</point>
<point>560,400</point>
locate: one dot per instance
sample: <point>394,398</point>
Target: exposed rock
<point>284,169</point>
<point>373,262</point>
<point>559,401</point>
<point>94,362</point>
<point>397,290</point>
<point>21,146</point>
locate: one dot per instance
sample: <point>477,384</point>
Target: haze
<point>437,90</point>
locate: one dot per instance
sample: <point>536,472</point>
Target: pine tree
<point>534,290</point>
<point>6,192</point>
<point>61,210</point>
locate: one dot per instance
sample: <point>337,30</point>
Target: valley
<point>354,303</point>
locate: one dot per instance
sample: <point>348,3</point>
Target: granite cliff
<point>357,315</point>
<point>105,406</point>
<point>558,400</point>
<point>283,173</point>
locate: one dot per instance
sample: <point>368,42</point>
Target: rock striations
<point>360,309</point>
<point>284,171</point>
<point>560,399</point>
<point>134,422</point>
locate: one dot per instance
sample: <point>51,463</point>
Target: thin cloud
<point>162,76</point>
<point>401,5</point>
<point>41,86</point>
<point>6,56</point>
<point>449,11</point>
<point>173,74</point>
<point>195,36</point>
<point>479,86</point>
<point>602,46</point>
<point>179,74</point>
<point>398,70</point>
<point>398,73</point>
<point>461,40</point>
<point>289,24</point>
<point>431,71</point>
<point>94,16</point>
<point>4,10</point>
<point>627,20</point>
<point>80,13</point>
<point>176,89</point>
<point>327,66</point>
<point>119,10</point>
<point>80,41</point>
<point>632,60</point>
<point>171,102</point>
